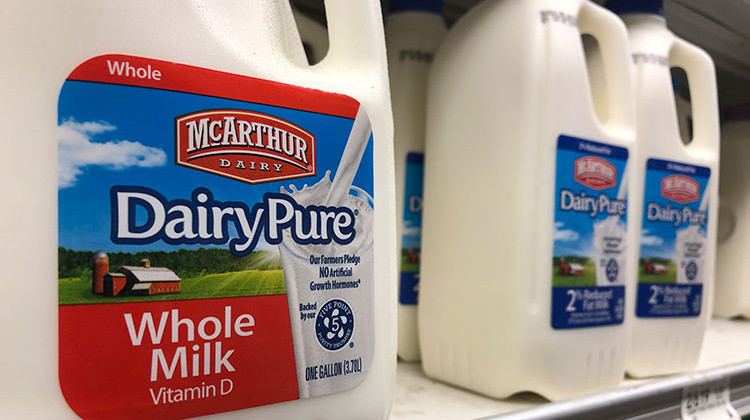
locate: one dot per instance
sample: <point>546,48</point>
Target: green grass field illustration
<point>587,279</point>
<point>201,273</point>
<point>661,271</point>
<point>410,260</point>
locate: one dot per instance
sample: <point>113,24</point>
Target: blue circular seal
<point>612,270</point>
<point>334,324</point>
<point>691,270</point>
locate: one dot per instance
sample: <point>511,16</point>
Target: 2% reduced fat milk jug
<point>678,184</point>
<point>413,31</point>
<point>236,203</point>
<point>732,294</point>
<point>527,235</point>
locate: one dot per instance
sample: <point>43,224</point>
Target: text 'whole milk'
<point>413,31</point>
<point>221,213</point>
<point>678,184</point>
<point>527,248</point>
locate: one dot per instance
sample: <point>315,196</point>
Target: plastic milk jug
<point>413,32</point>
<point>314,37</point>
<point>732,295</point>
<point>679,190</point>
<point>527,230</point>
<point>194,220</point>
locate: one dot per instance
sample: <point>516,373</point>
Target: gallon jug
<point>732,297</point>
<point>526,224</point>
<point>314,37</point>
<point>678,184</point>
<point>220,227</point>
<point>413,32</point>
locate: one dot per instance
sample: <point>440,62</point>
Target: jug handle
<point>353,35</point>
<point>702,81</point>
<point>612,35</point>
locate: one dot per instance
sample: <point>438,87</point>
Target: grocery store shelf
<point>726,354</point>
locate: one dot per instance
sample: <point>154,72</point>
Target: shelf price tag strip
<point>708,400</point>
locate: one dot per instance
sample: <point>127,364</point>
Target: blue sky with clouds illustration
<point>574,231</point>
<point>120,135</point>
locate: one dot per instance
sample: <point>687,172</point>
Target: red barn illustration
<point>142,280</point>
<point>569,269</point>
<point>100,266</point>
<point>649,268</point>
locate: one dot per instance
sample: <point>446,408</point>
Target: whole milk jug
<point>678,184</point>
<point>527,233</point>
<point>413,31</point>
<point>314,37</point>
<point>732,294</point>
<point>217,214</point>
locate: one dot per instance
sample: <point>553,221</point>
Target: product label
<point>215,241</point>
<point>588,264</point>
<point>411,239</point>
<point>673,240</point>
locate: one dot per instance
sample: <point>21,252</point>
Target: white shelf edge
<point>659,399</point>
<point>726,351</point>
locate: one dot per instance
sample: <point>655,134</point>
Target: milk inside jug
<point>413,31</point>
<point>679,190</point>
<point>732,293</point>
<point>221,213</point>
<point>527,249</point>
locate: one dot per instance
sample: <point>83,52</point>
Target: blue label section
<point>409,288</point>
<point>412,229</point>
<point>588,265</point>
<point>673,239</point>
<point>587,306</point>
<point>676,167</point>
<point>658,300</point>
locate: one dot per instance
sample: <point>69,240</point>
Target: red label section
<point>595,173</point>
<point>680,188</point>
<point>193,358</point>
<point>146,72</point>
<point>247,146</point>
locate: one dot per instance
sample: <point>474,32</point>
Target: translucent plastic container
<point>413,31</point>
<point>732,294</point>
<point>679,186</point>
<point>521,289</point>
<point>195,135</point>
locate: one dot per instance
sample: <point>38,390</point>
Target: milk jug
<point>679,190</point>
<point>314,37</point>
<point>527,233</point>
<point>413,31</point>
<point>732,297</point>
<point>201,222</point>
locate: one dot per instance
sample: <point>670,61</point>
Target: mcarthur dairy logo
<point>247,146</point>
<point>595,173</point>
<point>680,188</point>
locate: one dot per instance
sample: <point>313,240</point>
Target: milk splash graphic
<point>610,245</point>
<point>690,249</point>
<point>330,286</point>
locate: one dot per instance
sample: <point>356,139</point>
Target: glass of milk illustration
<point>610,245</point>
<point>690,248</point>
<point>329,286</point>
